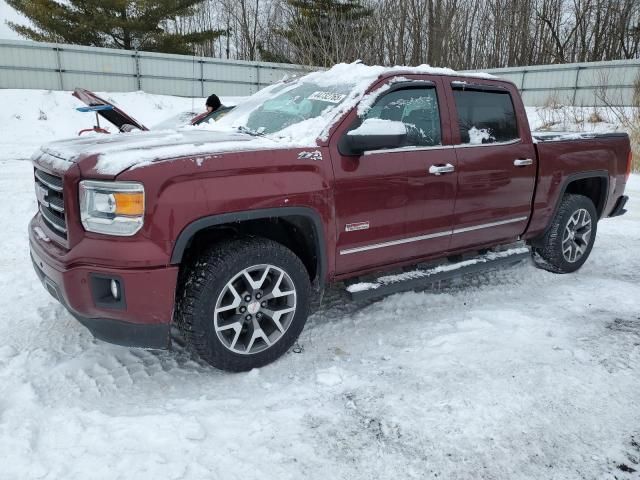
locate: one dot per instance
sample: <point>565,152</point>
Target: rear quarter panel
<point>559,162</point>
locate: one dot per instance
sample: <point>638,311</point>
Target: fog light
<point>115,289</point>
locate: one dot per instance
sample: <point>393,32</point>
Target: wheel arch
<point>593,184</point>
<point>291,225</point>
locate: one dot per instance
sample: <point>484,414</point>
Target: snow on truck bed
<point>517,374</point>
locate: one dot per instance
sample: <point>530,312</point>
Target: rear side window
<point>485,116</point>
<point>417,109</point>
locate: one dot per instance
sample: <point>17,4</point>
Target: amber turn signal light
<point>131,204</point>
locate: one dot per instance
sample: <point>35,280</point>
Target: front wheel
<point>244,303</point>
<point>568,242</point>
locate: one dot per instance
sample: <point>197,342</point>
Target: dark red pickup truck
<point>227,230</point>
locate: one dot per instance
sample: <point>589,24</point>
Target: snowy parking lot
<point>513,374</point>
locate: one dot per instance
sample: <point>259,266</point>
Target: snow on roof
<point>358,73</point>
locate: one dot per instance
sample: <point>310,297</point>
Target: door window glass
<point>417,109</point>
<point>485,116</point>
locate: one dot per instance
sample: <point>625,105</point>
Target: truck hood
<point>115,116</point>
<point>113,154</point>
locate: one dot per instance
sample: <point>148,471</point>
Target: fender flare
<point>601,174</point>
<point>200,224</point>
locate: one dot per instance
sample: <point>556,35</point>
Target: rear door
<point>496,164</point>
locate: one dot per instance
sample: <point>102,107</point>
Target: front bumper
<point>142,321</point>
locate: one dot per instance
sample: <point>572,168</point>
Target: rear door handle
<point>522,162</point>
<point>440,169</point>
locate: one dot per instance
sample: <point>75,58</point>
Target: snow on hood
<point>119,152</point>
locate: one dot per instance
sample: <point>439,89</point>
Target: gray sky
<point>8,13</point>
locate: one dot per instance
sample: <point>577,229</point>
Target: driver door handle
<point>440,169</point>
<point>522,162</point>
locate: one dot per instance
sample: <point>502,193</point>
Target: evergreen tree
<point>127,24</point>
<point>323,32</point>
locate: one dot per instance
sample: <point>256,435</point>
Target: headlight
<point>113,208</point>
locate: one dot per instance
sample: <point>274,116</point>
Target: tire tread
<point>547,255</point>
<point>210,267</point>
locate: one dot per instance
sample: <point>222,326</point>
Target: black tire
<point>209,276</point>
<point>548,251</point>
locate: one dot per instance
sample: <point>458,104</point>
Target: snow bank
<point>572,119</point>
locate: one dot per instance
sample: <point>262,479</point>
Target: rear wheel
<point>568,242</point>
<point>244,303</point>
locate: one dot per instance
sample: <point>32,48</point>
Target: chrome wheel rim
<point>576,236</point>
<point>255,309</point>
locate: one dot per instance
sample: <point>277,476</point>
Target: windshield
<point>285,105</point>
<point>175,121</point>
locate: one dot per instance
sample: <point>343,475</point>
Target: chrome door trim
<point>455,231</point>
<point>489,225</point>
<point>407,149</point>
<point>394,242</point>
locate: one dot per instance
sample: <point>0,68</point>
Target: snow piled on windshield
<point>360,76</point>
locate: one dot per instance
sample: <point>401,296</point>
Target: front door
<point>389,207</point>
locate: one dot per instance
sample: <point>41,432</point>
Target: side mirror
<point>374,134</point>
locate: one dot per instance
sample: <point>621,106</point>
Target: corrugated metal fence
<point>63,67</point>
<point>575,83</point>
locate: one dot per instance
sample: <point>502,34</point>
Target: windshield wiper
<point>248,131</point>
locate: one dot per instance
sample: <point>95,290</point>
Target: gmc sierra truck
<point>227,231</point>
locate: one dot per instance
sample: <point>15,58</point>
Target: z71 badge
<point>315,155</point>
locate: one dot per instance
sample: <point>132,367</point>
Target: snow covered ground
<point>513,374</point>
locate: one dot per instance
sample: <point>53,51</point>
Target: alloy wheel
<point>255,309</point>
<point>576,236</point>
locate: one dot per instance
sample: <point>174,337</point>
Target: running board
<point>420,278</point>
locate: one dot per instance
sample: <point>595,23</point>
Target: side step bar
<point>413,279</point>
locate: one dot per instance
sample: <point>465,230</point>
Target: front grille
<point>49,193</point>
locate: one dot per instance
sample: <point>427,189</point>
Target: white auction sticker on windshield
<point>327,96</point>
